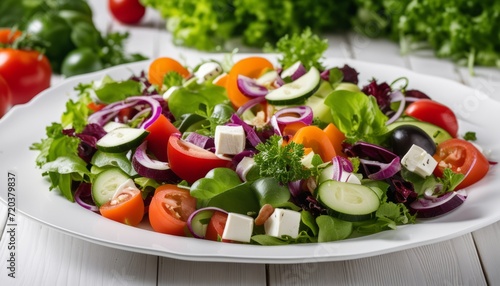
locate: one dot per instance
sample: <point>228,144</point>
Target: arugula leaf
<point>281,162</point>
<point>357,116</point>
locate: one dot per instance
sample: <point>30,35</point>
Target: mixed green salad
<point>256,152</point>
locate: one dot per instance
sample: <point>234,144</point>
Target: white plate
<point>26,124</point>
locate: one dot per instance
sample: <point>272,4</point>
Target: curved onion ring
<point>191,217</point>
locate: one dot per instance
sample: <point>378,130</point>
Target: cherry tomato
<point>5,97</point>
<point>157,139</point>
<point>251,67</point>
<point>170,208</point>
<point>161,66</point>
<point>26,72</point>
<point>215,227</point>
<point>127,11</point>
<point>127,207</point>
<point>191,162</point>
<point>462,157</point>
<point>434,112</point>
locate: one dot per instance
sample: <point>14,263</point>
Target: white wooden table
<point>47,257</point>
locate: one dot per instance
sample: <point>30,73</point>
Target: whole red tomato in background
<point>5,97</point>
<point>26,72</point>
<point>127,11</point>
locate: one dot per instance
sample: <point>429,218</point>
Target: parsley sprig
<point>282,162</point>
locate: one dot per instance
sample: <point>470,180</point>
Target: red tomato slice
<point>127,207</point>
<point>170,208</point>
<point>159,132</point>
<point>434,112</point>
<point>191,162</point>
<point>215,227</point>
<point>462,157</point>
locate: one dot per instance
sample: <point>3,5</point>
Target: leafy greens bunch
<point>210,24</point>
<point>464,31</point>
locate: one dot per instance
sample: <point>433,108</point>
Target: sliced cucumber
<point>121,139</point>
<point>437,133</point>
<point>106,183</point>
<point>347,201</point>
<point>297,91</point>
<point>113,125</point>
<point>317,102</point>
<point>267,78</point>
<point>200,221</point>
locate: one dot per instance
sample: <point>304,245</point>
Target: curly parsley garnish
<point>282,162</point>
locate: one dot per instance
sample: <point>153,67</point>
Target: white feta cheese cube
<point>417,160</point>
<point>229,140</point>
<point>238,227</point>
<point>208,71</point>
<point>283,222</point>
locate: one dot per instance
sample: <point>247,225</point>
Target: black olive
<point>404,136</point>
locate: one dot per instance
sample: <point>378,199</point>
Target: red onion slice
<point>249,87</point>
<point>199,140</point>
<point>427,208</point>
<point>249,104</point>
<point>396,96</point>
<point>301,113</point>
<point>387,170</point>
<point>150,168</point>
<point>289,115</point>
<point>104,115</point>
<point>252,136</point>
<point>340,165</point>
<point>190,219</point>
<point>293,72</point>
<point>84,193</point>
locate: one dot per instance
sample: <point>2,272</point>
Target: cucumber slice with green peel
<point>121,139</point>
<point>296,92</point>
<point>348,201</point>
<point>437,133</point>
<point>108,127</point>
<point>106,183</point>
<point>267,78</point>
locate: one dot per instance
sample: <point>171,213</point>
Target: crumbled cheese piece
<point>229,140</point>
<point>283,222</point>
<point>417,160</point>
<point>238,227</point>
